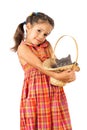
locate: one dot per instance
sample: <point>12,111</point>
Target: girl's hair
<point>33,18</point>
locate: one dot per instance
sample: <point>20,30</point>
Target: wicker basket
<point>48,63</point>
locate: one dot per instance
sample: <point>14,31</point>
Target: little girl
<point>43,106</point>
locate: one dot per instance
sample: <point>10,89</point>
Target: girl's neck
<point>27,41</point>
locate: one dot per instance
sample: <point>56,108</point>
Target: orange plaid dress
<point>43,106</point>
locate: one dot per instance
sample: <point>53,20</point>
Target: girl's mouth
<point>39,40</point>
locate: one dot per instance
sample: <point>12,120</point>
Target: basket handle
<point>74,42</point>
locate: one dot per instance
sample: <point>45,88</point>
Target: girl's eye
<point>39,30</point>
<point>45,35</point>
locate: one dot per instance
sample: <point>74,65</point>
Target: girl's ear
<point>28,26</point>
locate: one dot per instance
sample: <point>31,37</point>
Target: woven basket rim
<point>60,68</point>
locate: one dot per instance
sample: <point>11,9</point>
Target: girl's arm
<point>27,55</point>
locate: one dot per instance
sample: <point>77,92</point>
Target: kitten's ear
<point>69,55</point>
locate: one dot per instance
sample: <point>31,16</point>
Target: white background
<point>70,17</point>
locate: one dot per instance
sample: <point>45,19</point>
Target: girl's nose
<point>41,36</point>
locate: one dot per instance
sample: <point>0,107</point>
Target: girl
<point>43,106</point>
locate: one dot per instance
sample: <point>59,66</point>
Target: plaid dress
<point>43,106</point>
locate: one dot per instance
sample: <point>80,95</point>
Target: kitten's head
<point>62,62</point>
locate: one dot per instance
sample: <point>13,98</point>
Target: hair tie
<point>36,13</point>
<point>31,14</point>
<point>24,22</point>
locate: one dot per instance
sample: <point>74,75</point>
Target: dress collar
<point>42,45</point>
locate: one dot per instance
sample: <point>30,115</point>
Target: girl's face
<point>37,33</point>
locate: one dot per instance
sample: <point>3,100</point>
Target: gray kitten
<point>62,62</point>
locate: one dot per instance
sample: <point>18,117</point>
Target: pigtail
<point>18,36</point>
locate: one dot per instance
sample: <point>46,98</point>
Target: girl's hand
<point>67,76</point>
